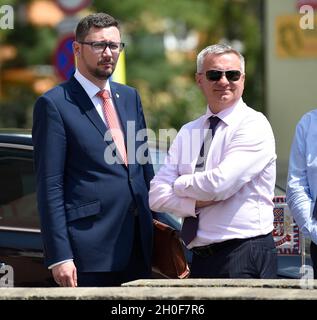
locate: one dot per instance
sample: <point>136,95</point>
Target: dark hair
<point>97,20</point>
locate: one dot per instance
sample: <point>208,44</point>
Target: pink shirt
<point>240,174</point>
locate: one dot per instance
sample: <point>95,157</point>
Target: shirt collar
<point>228,115</point>
<point>90,88</point>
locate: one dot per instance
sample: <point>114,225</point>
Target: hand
<point>202,204</point>
<point>65,274</point>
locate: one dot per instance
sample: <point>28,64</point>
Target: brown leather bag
<point>168,254</point>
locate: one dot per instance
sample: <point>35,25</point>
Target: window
<point>17,189</point>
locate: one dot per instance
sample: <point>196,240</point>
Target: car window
<point>157,157</point>
<point>17,189</point>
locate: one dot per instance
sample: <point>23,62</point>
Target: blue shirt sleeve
<point>301,182</point>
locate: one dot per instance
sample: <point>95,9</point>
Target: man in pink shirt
<point>228,189</point>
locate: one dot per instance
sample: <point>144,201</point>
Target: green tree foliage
<point>168,88</point>
<point>164,77</point>
<point>34,47</point>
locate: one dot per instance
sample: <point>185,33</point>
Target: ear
<point>76,49</point>
<point>198,78</point>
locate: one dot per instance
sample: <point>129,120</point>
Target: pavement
<point>185,289</point>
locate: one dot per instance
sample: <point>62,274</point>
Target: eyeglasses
<point>101,46</point>
<point>216,75</point>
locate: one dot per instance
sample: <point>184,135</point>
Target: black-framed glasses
<point>101,46</point>
<point>216,75</point>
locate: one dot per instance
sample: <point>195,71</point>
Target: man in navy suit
<point>95,219</point>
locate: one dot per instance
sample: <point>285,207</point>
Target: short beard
<point>101,74</point>
<point>98,73</point>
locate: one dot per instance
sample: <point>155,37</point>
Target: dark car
<point>20,237</point>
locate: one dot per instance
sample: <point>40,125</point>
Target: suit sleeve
<point>49,157</point>
<point>147,166</point>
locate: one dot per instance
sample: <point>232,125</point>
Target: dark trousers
<point>238,258</point>
<point>136,268</point>
<point>313,256</point>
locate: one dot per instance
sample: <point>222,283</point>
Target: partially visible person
<point>92,191</point>
<point>231,197</point>
<point>301,191</point>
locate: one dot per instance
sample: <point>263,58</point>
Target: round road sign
<point>64,57</point>
<point>72,6</point>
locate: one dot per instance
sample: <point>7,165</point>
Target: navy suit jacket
<point>86,205</point>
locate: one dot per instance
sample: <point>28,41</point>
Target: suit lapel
<point>85,104</point>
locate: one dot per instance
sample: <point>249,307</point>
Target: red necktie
<point>113,124</point>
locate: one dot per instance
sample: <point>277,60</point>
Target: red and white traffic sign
<point>64,61</point>
<point>72,6</point>
<point>312,3</point>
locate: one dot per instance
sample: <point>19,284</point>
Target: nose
<point>107,51</point>
<point>223,80</point>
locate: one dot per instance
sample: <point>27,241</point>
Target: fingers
<point>202,204</point>
<point>75,277</point>
<point>65,274</point>
<point>71,281</point>
<point>67,282</point>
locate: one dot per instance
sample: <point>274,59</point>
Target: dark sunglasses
<point>216,75</point>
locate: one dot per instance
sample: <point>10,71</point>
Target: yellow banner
<point>294,41</point>
<point>119,74</point>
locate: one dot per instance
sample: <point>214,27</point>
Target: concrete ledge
<point>245,283</point>
<point>189,289</point>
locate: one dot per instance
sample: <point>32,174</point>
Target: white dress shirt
<point>92,91</point>
<point>240,174</point>
<point>301,189</point>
